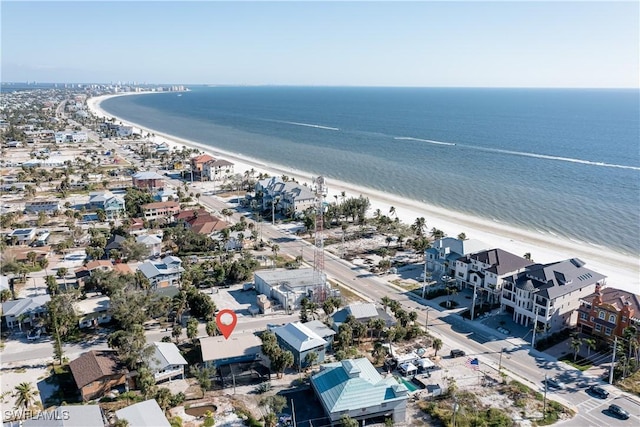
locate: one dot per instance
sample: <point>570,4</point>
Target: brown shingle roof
<point>95,364</point>
<point>122,269</point>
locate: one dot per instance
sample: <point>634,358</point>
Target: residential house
<point>197,165</point>
<point>165,195</point>
<point>548,295</point>
<point>68,136</point>
<point>354,388</point>
<point>217,170</point>
<point>122,268</point>
<point>166,362</point>
<point>362,313</point>
<point>46,206</point>
<point>289,287</point>
<point>21,254</point>
<point>96,372</point>
<point>292,198</point>
<point>84,272</point>
<point>23,236</point>
<point>137,226</point>
<point>113,205</point>
<point>608,312</point>
<point>152,242</point>
<point>301,341</point>
<point>164,273</point>
<point>25,312</point>
<point>201,221</point>
<point>323,331</point>
<point>238,348</point>
<point>114,242</point>
<point>93,311</point>
<point>483,271</point>
<point>148,180</point>
<point>66,416</point>
<point>161,210</point>
<point>144,414</point>
<point>441,257</point>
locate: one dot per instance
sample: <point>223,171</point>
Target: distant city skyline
<point>426,44</point>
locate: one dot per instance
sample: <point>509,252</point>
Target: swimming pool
<point>410,386</point>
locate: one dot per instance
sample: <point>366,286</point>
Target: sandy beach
<point>622,271</point>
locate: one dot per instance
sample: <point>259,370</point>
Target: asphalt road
<point>521,362</point>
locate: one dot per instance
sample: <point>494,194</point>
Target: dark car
<point>598,391</point>
<point>618,412</point>
<point>456,353</point>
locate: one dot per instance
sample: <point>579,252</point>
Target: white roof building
<point>144,414</point>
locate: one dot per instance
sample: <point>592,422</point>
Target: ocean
<point>564,162</point>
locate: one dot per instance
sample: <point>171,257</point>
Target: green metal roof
<point>355,383</point>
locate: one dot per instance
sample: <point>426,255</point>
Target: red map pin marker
<point>226,320</point>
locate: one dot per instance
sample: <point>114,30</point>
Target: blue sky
<point>487,44</point>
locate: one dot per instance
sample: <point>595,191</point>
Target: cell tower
<point>320,293</point>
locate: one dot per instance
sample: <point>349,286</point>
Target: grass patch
<point>631,384</point>
<point>580,363</point>
<point>346,293</point>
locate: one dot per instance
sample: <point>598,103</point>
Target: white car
<point>555,383</point>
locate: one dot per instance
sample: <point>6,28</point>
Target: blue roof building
<point>355,388</point>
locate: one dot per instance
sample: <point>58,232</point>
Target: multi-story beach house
<point>161,210</point>
<point>217,170</point>
<point>113,205</point>
<point>163,274</point>
<point>608,312</point>
<point>46,206</point>
<point>548,295</point>
<point>441,257</point>
<point>197,165</point>
<point>484,271</point>
<point>148,180</point>
<point>288,196</point>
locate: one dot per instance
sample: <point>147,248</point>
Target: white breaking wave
<point>408,138</point>
<point>559,158</point>
<point>307,125</point>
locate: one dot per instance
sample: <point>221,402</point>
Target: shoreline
<point>622,271</point>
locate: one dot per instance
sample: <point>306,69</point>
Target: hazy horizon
<point>372,44</point>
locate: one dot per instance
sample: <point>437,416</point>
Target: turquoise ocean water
<point>558,161</point>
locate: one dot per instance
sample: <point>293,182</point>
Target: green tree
<point>131,345</point>
<point>591,345</point>
<point>176,332</point>
<point>437,345</point>
<point>347,421</point>
<point>192,329</point>
<point>146,382</point>
<point>203,375</point>
<point>311,358</point>
<point>575,345</point>
<point>212,328</point>
<point>5,295</point>
<point>25,395</point>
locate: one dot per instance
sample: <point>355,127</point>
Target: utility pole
<point>535,326</point>
<point>293,412</point>
<point>424,275</point>
<point>544,401</point>
<point>473,302</point>
<point>613,359</point>
<point>500,361</point>
<point>426,324</point>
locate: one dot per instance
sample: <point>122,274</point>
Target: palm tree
<point>437,345</point>
<point>591,345</point>
<point>275,249</point>
<point>386,301</point>
<point>24,394</point>
<point>392,211</point>
<point>575,345</point>
<point>419,226</point>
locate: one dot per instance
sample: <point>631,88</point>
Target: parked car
<point>618,412</point>
<point>598,391</point>
<point>555,383</point>
<point>34,334</point>
<point>456,353</point>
